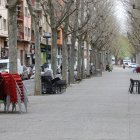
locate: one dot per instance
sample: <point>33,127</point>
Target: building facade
<point>24,33</point>
<point>26,36</point>
<point>3,30</point>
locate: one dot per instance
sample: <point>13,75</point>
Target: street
<point>99,108</point>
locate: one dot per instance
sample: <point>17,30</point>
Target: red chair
<point>138,70</point>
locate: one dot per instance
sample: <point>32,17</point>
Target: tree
<point>133,33</point>
<point>12,35</point>
<point>35,13</point>
<point>58,12</point>
<point>121,48</point>
<point>101,32</point>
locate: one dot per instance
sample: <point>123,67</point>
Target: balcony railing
<point>38,6</point>
<point>20,17</point>
<point>20,35</point>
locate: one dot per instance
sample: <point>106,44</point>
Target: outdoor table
<point>134,83</point>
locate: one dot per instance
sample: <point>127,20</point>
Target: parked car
<point>4,66</point>
<point>133,65</point>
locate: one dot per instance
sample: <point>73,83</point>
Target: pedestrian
<point>61,68</point>
<point>48,72</point>
<point>123,66</point>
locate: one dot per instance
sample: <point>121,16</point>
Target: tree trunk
<point>82,59</point>
<point>79,72</point>
<point>116,60</point>
<point>88,59</point>
<point>65,53</point>
<point>72,58</point>
<point>12,34</point>
<point>54,51</point>
<point>35,19</point>
<point>98,60</point>
<point>93,60</point>
<point>37,61</point>
<point>82,8</point>
<point>64,59</point>
<point>73,40</point>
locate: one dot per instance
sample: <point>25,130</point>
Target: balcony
<point>32,38</point>
<point>38,6</point>
<point>59,37</point>
<point>20,17</point>
<point>20,35</point>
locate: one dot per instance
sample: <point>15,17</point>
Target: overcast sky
<point>121,15</point>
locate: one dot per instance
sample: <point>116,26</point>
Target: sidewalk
<point>99,108</point>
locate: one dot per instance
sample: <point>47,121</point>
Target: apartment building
<point>45,35</point>
<point>3,30</point>
<point>45,40</point>
<point>24,33</point>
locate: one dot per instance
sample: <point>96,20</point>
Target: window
<point>5,2</point>
<point>59,51</point>
<point>4,24</point>
<point>26,11</point>
<point>3,66</point>
<point>26,31</point>
<point>21,57</point>
<point>29,30</point>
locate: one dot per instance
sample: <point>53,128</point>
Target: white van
<point>127,62</point>
<point>4,66</point>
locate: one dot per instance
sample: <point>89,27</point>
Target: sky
<point>121,16</point>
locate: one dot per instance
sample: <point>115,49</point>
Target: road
<point>99,108</point>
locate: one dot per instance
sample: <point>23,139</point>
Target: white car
<point>133,65</point>
<point>4,66</point>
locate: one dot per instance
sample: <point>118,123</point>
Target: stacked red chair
<point>9,87</point>
<point>12,90</point>
<point>2,92</point>
<point>16,78</point>
<point>21,90</point>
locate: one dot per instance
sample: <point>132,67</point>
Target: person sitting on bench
<point>48,72</point>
